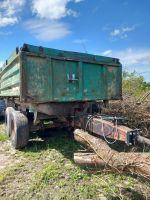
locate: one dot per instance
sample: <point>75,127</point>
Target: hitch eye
<point>131,136</point>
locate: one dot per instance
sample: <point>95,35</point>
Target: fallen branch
<point>88,159</point>
<point>137,163</point>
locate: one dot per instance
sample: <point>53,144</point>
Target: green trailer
<point>41,84</point>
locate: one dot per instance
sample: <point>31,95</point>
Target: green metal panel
<point>10,78</point>
<point>113,79</point>
<point>93,81</point>
<point>48,75</point>
<point>37,78</point>
<point>63,88</point>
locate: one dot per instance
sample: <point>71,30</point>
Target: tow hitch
<point>111,128</point>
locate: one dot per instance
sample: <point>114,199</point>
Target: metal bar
<point>10,86</point>
<point>106,63</point>
<point>23,81</point>
<point>107,129</point>
<point>8,66</point>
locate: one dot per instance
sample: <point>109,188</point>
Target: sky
<point>115,28</point>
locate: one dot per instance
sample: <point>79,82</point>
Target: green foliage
<point>3,137</point>
<point>134,84</point>
<point>9,172</point>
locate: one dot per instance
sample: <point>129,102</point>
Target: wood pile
<point>102,155</point>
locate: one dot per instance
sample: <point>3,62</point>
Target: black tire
<point>8,112</point>
<point>19,130</point>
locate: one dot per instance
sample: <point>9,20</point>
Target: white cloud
<point>122,32</point>
<point>78,1</point>
<point>46,24</point>
<point>9,11</point>
<point>5,21</point>
<point>47,9</point>
<point>115,32</point>
<point>131,56</point>
<point>72,13</point>
<point>107,52</point>
<point>46,30</point>
<point>11,6</point>
<point>52,9</point>
<point>133,59</point>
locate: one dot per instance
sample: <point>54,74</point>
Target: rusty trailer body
<point>57,87</point>
<point>39,75</point>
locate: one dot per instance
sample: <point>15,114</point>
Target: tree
<point>134,84</point>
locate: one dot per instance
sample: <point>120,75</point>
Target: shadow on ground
<point>59,139</point>
<point>62,140</point>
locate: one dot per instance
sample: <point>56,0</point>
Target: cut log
<point>88,159</point>
<point>137,163</point>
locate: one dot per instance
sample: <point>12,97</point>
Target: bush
<point>134,84</point>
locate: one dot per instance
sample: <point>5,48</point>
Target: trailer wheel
<point>8,112</point>
<point>19,130</point>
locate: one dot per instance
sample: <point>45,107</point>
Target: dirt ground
<point>7,155</point>
<point>45,170</point>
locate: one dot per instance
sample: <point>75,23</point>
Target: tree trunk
<point>137,163</point>
<point>88,159</point>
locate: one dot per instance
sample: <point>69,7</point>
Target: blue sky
<point>117,28</point>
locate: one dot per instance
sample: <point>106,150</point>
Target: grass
<point>3,136</point>
<point>61,175</point>
<point>58,177</point>
<point>9,172</point>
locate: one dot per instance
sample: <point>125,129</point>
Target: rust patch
<point>111,69</point>
<point>111,89</point>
